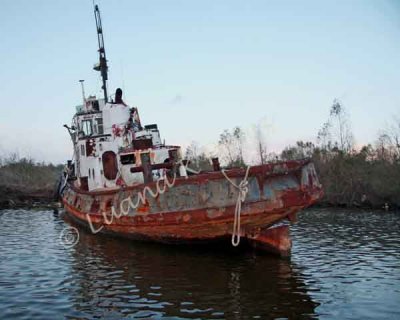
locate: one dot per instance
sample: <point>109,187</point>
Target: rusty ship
<point>125,181</point>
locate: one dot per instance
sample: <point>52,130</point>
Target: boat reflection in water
<point>117,278</point>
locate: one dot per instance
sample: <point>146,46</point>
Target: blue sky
<point>199,67</point>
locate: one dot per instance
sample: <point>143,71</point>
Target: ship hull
<point>201,208</point>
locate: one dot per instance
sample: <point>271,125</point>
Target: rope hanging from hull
<point>243,190</point>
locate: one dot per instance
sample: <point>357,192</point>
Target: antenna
<point>102,65</point>
<point>83,92</point>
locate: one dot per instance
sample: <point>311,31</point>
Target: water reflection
<point>121,278</point>
<point>352,260</point>
<point>344,265</point>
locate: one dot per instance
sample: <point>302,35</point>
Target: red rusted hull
<point>201,208</point>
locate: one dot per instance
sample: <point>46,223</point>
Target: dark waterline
<point>344,264</point>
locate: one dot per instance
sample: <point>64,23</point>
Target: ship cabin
<point>112,149</point>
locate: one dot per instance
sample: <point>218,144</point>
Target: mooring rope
<point>243,190</point>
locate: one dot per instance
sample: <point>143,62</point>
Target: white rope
<point>243,190</point>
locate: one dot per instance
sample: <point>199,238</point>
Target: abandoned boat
<point>125,181</point>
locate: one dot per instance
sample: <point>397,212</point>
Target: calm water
<point>344,265</point>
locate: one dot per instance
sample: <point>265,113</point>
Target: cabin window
<point>110,165</point>
<point>82,150</point>
<point>93,173</point>
<point>99,126</point>
<point>128,159</point>
<point>90,148</point>
<point>87,127</point>
<point>89,174</point>
<point>95,105</point>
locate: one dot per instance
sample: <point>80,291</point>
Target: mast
<point>83,92</point>
<point>102,66</point>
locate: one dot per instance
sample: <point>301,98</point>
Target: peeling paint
<point>202,207</point>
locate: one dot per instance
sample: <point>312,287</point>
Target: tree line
<point>368,176</point>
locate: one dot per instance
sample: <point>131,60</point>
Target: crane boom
<point>102,66</point>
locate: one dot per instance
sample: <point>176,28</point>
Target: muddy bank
<point>26,198</point>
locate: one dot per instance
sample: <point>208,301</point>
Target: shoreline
<point>14,198</point>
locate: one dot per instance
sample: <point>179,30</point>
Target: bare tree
<point>260,143</point>
<point>324,136</point>
<point>227,146</point>
<point>339,119</point>
<point>198,158</point>
<point>192,151</point>
<point>336,134</point>
<point>231,144</point>
<point>389,140</point>
<point>239,136</point>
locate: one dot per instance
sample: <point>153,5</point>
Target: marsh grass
<point>24,175</point>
